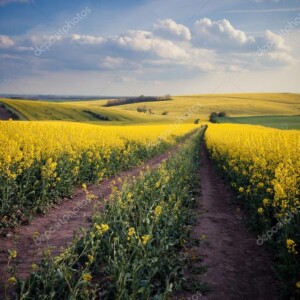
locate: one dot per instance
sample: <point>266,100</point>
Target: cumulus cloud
<point>147,42</point>
<point>137,41</point>
<point>208,46</point>
<point>276,41</point>
<point>221,34</point>
<point>6,41</point>
<point>278,59</point>
<point>87,39</point>
<point>170,29</point>
<point>223,37</point>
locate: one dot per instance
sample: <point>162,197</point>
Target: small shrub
<point>97,116</point>
<point>213,117</point>
<point>141,109</point>
<point>222,114</point>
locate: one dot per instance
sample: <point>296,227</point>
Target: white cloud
<point>279,58</point>
<point>5,2</point>
<point>87,39</point>
<point>22,48</point>
<point>277,41</point>
<point>147,42</point>
<point>211,46</point>
<point>112,62</point>
<point>221,35</point>
<point>170,29</point>
<point>6,41</point>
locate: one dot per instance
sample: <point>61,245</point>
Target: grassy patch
<point>281,122</point>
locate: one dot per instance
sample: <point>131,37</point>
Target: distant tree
<point>141,98</point>
<point>222,114</point>
<point>165,113</point>
<point>141,109</point>
<point>197,121</point>
<point>213,117</point>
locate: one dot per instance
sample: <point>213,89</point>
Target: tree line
<point>130,100</point>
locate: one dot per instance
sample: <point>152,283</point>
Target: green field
<point>75,112</point>
<point>272,110</point>
<point>281,122</point>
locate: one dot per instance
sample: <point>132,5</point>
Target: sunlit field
<point>47,159</point>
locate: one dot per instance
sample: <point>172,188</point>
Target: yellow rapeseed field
<point>263,165</point>
<point>268,160</point>
<point>41,161</point>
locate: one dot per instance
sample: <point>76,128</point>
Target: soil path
<point>75,213</point>
<point>237,267</point>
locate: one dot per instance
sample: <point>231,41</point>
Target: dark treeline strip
<point>123,101</point>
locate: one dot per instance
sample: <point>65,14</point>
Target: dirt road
<point>237,267</point>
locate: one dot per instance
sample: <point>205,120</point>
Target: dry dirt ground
<point>237,268</point>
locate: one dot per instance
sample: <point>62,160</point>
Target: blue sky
<point>134,47</point>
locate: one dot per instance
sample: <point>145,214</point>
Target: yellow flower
<point>101,228</point>
<point>98,228</point>
<point>241,189</point>
<point>104,227</point>
<point>203,237</point>
<point>266,202</point>
<point>13,254</point>
<point>91,258</point>
<point>12,280</point>
<point>145,239</point>
<point>87,277</point>
<point>35,235</point>
<point>34,267</point>
<point>131,232</point>
<point>291,246</point>
<point>260,185</point>
<point>84,186</point>
<point>260,210</point>
<point>298,285</point>
<point>157,211</point>
<point>48,252</point>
